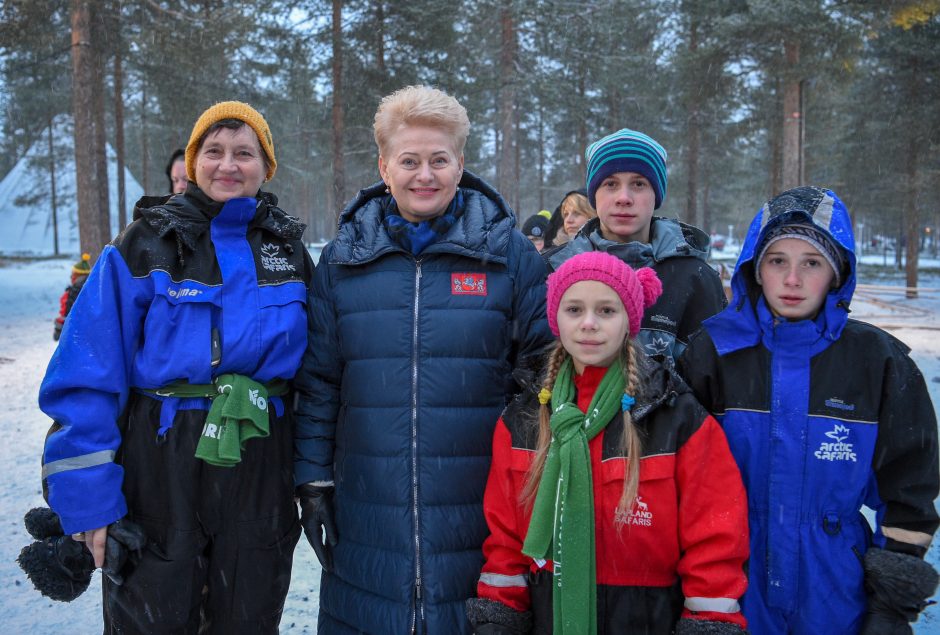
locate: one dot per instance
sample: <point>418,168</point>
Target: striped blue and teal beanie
<point>626,151</point>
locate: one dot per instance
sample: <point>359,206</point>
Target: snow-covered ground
<point>29,293</point>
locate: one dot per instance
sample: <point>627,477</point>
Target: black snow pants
<point>221,539</point>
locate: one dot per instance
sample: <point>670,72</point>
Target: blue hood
<point>737,326</point>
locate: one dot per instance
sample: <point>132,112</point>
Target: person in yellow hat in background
<point>80,271</point>
<point>171,402</point>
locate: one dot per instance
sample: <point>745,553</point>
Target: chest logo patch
<point>271,261</point>
<point>639,514</point>
<point>657,345</point>
<point>468,284</point>
<point>838,449</point>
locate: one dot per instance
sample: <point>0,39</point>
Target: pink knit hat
<point>638,290</point>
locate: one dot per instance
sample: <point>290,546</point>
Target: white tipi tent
<point>27,228</point>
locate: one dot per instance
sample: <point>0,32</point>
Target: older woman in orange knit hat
<point>171,451</point>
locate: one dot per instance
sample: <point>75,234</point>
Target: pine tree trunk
<point>86,173</point>
<point>144,150</point>
<point>339,166</point>
<point>706,195</point>
<point>380,37</point>
<point>582,124</point>
<point>911,210</point>
<point>776,146</point>
<point>693,138</point>
<point>52,191</point>
<point>792,120</point>
<point>119,134</point>
<point>101,137</point>
<point>507,178</point>
<point>541,151</point>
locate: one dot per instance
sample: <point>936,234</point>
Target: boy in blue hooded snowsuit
<point>823,414</point>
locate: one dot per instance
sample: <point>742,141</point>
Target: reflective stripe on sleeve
<point>503,581</point>
<point>714,605</point>
<point>78,462</point>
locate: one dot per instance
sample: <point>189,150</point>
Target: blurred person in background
<point>535,226</point>
<point>576,210</point>
<point>569,216</point>
<point>79,275</point>
<point>176,172</point>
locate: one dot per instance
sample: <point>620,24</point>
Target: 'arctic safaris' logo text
<point>838,450</point>
<point>271,261</point>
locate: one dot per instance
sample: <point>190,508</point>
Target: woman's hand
<point>95,541</point>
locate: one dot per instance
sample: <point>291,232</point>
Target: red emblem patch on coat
<point>468,284</point>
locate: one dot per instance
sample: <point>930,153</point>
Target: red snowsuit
<point>684,542</point>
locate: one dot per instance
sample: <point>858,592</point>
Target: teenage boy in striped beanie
<point>626,182</point>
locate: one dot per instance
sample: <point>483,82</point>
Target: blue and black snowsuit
<point>190,290</point>
<point>409,364</point>
<point>822,415</point>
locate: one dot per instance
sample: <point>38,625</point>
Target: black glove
<point>898,587</point>
<point>316,517</point>
<point>60,568</point>
<point>56,333</point>
<point>490,617</point>
<point>688,626</point>
<point>126,540</point>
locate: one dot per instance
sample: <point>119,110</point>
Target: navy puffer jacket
<point>409,363</point>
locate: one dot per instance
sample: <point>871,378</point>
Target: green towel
<point>239,412</point>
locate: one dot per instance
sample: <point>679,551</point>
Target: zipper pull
<point>216,348</point>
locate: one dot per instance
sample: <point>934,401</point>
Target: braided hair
<point>631,444</point>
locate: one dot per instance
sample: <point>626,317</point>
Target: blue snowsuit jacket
<point>186,274</point>
<point>822,415</point>
<point>410,362</point>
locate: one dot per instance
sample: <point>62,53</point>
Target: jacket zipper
<point>419,606</point>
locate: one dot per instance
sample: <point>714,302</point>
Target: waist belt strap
<point>239,412</point>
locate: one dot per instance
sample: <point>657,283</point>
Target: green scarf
<point>562,524</point>
<point>239,412</point>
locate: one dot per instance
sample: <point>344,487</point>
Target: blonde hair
<point>420,106</point>
<point>630,446</point>
<point>580,203</point>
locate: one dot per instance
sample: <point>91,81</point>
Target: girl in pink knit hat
<point>613,501</point>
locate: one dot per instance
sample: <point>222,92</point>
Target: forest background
<point>749,97</point>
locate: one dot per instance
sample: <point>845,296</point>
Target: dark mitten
<point>126,540</point>
<point>57,332</point>
<point>59,567</point>
<point>490,617</point>
<point>899,586</point>
<point>687,626</point>
<point>42,522</point>
<point>316,517</point>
